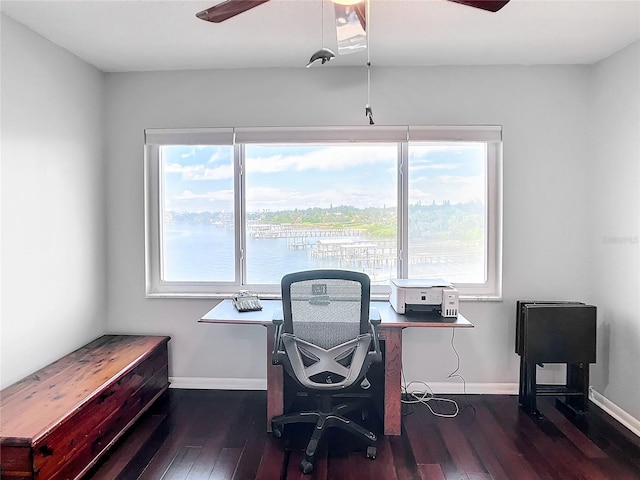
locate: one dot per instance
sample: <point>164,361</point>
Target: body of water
<point>205,252</point>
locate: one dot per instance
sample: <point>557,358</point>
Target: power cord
<point>455,371</point>
<point>426,395</point>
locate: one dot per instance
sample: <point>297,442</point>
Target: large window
<point>197,212</point>
<point>239,208</point>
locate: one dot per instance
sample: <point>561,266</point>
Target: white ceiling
<point>135,35</point>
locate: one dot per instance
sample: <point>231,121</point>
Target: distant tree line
<point>444,221</point>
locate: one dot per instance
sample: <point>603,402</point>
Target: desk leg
<point>392,381</point>
<point>275,391</point>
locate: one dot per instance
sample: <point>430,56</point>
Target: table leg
<point>578,381</point>
<point>392,381</point>
<point>522,386</point>
<point>531,389</point>
<point>275,390</point>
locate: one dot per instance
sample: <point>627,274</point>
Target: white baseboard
<point>204,383</point>
<point>615,411</point>
<point>458,388</point>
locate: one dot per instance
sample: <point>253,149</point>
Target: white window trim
<point>402,135</point>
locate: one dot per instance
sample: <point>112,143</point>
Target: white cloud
<point>436,166</point>
<point>200,172</point>
<point>217,156</point>
<point>456,189</point>
<point>216,195</point>
<point>274,199</point>
<point>330,158</point>
<point>188,154</point>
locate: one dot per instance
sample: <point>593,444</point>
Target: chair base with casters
<point>324,417</point>
<point>326,339</point>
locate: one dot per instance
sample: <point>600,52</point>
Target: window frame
<point>403,136</point>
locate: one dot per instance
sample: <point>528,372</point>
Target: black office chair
<point>326,340</point>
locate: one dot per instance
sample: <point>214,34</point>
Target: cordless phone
<point>246,301</point>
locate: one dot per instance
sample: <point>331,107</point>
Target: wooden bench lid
<point>40,402</point>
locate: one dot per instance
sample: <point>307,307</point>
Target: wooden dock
<point>301,231</point>
<point>360,254</point>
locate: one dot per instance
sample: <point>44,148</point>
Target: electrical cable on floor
<point>426,395</point>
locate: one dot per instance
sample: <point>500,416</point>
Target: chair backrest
<point>326,307</point>
<point>326,331</point>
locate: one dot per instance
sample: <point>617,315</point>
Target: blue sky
<point>284,177</point>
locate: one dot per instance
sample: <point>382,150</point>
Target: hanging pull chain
<point>367,109</point>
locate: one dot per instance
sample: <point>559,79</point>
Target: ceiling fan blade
<point>489,5</point>
<point>361,12</point>
<point>225,10</point>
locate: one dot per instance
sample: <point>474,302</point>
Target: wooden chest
<point>56,423</point>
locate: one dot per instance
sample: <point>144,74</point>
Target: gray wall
<point>570,186</point>
<point>614,218</point>
<point>544,112</point>
<point>53,204</point>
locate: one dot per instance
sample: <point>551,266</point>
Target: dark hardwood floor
<point>203,434</point>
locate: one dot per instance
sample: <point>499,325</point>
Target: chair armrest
<point>278,317</point>
<point>374,321</point>
<point>276,354</point>
<point>374,316</point>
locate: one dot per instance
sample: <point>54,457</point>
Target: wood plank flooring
<point>221,435</point>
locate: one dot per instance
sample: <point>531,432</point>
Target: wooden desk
<point>390,330</point>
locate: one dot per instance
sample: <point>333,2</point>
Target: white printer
<point>424,295</point>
